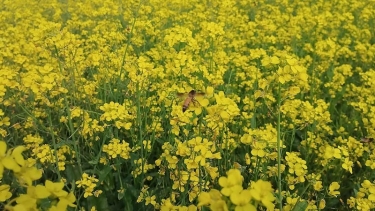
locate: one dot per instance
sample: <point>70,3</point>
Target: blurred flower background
<point>90,117</point>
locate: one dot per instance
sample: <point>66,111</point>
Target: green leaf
<point>120,194</point>
<point>100,202</point>
<point>103,173</point>
<point>72,173</point>
<point>300,206</point>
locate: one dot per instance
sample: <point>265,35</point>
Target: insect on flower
<point>367,140</point>
<point>190,98</point>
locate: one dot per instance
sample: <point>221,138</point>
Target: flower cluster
<point>283,88</point>
<point>27,173</point>
<point>297,169</point>
<point>120,114</point>
<point>259,193</point>
<point>365,199</point>
<point>88,183</point>
<point>44,154</point>
<point>115,148</point>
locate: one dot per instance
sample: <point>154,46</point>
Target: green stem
<point>128,42</point>
<point>54,146</point>
<point>140,130</point>
<point>279,149</point>
<point>75,141</point>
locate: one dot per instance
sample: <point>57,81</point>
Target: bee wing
<point>200,94</point>
<point>366,140</point>
<point>182,95</point>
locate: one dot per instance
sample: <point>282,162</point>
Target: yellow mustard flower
<point>242,201</point>
<point>322,204</point>
<point>262,191</point>
<point>205,198</point>
<point>68,200</point>
<point>29,200</point>
<point>29,174</point>
<point>232,183</point>
<point>88,183</point>
<point>64,202</point>
<point>333,189</point>
<point>41,192</point>
<point>318,186</point>
<point>219,205</point>
<point>7,161</point>
<point>347,165</point>
<point>56,188</point>
<point>115,148</point>
<point>4,193</point>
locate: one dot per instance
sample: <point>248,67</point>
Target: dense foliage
<point>90,118</point>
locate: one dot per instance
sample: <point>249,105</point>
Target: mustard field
<point>187,105</point>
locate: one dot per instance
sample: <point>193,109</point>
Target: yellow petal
<point>204,102</point>
<point>224,115</point>
<point>223,181</point>
<point>210,91</point>
<point>17,155</point>
<point>198,110</point>
<point>11,164</point>
<point>41,192</point>
<point>3,148</point>
<point>204,199</point>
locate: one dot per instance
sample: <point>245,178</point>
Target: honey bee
<point>366,140</point>
<point>190,99</point>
